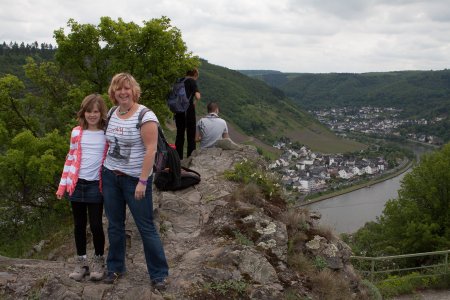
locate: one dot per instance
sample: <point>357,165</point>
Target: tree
<point>419,220</point>
<point>29,171</point>
<point>154,54</point>
<point>55,98</point>
<point>12,107</point>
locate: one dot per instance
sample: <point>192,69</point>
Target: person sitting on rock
<point>212,131</point>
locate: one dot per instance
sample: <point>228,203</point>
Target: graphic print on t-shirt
<point>119,150</point>
<point>114,151</point>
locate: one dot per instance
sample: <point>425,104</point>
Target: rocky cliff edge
<point>223,240</point>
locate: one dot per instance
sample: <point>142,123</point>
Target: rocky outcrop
<point>219,243</point>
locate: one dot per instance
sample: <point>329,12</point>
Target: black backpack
<point>178,100</point>
<point>188,177</point>
<point>167,166</point>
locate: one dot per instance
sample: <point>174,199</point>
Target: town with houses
<point>308,172</point>
<point>381,121</point>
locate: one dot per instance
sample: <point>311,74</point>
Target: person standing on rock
<point>185,121</point>
<point>127,180</point>
<point>81,180</point>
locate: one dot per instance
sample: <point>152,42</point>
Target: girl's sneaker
<point>81,269</point>
<point>98,268</point>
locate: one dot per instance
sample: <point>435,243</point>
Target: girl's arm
<point>68,163</point>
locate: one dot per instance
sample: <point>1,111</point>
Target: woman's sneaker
<point>98,268</point>
<point>81,269</point>
<point>160,284</point>
<point>112,277</point>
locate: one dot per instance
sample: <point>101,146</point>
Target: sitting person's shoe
<point>81,269</point>
<point>160,284</point>
<point>112,277</point>
<point>98,268</point>
<point>227,144</point>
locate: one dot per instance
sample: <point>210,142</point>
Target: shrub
<point>250,193</point>
<point>320,263</point>
<point>399,285</point>
<point>242,239</point>
<point>301,263</point>
<point>227,287</point>
<point>291,294</point>
<point>328,286</point>
<point>374,293</point>
<point>250,172</point>
<point>296,220</point>
<point>325,231</point>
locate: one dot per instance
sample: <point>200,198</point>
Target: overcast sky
<point>314,36</point>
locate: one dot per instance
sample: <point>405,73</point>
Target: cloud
<point>286,35</point>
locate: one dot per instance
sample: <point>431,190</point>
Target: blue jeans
<point>118,191</point>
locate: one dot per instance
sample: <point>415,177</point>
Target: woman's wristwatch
<point>144,182</point>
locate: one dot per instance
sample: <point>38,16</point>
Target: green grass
<point>227,287</point>
<point>402,285</point>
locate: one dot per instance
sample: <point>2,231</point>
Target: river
<point>348,212</point>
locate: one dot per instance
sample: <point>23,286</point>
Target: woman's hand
<point>139,193</point>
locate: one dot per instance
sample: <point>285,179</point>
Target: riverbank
<point>406,165</point>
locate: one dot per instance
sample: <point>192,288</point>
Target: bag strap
<point>108,117</point>
<point>139,123</point>
<point>189,170</point>
<point>141,116</point>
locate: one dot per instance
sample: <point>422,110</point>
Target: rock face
<point>218,246</point>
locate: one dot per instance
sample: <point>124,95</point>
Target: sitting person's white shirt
<point>210,129</point>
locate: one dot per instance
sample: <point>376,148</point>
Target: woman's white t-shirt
<point>126,148</point>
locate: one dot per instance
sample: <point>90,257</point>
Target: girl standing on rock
<point>81,180</point>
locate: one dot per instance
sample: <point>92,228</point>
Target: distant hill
<point>419,93</point>
<point>264,112</point>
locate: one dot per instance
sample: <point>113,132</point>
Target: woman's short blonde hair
<point>118,81</point>
<point>87,105</point>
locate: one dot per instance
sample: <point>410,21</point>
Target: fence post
<point>372,270</point>
<point>446,263</point>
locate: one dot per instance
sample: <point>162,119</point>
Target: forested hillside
<point>263,111</point>
<point>13,56</point>
<point>420,93</point>
<point>253,107</point>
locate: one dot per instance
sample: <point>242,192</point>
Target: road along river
<point>349,212</point>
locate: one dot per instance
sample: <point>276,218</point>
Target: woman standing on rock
<point>127,178</point>
<point>81,179</point>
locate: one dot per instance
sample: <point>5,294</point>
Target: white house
<point>369,170</point>
<point>308,162</point>
<point>343,174</point>
<point>283,162</point>
<point>304,186</point>
<point>357,171</point>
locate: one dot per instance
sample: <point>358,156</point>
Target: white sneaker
<point>81,269</point>
<point>98,268</point>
